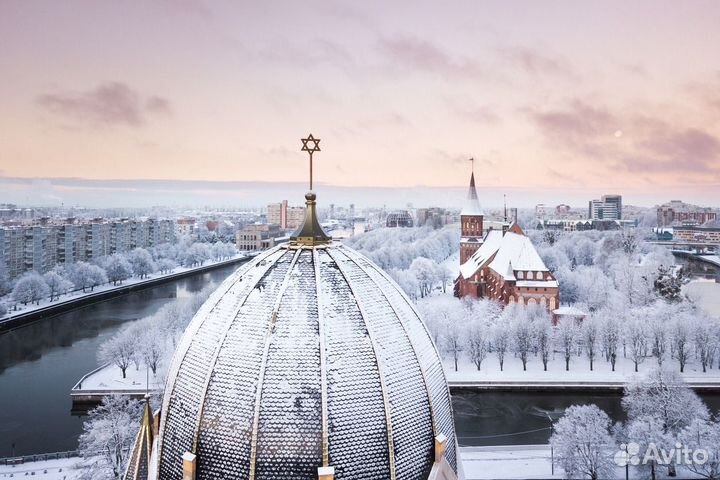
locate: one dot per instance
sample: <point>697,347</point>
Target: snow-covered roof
<point>490,245</point>
<point>305,351</point>
<point>571,311</point>
<point>519,251</point>
<point>472,204</point>
<point>512,252</point>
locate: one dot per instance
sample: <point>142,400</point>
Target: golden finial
<point>310,233</point>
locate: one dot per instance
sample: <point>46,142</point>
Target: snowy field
<point>61,469</point>
<point>706,293</point>
<point>108,378</point>
<point>78,294</point>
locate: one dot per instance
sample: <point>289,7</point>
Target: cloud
<point>535,62</point>
<point>421,55</point>
<point>629,141</point>
<point>468,111</point>
<point>109,104</point>
<point>580,127</point>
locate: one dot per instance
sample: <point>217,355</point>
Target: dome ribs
<point>323,360</point>
<point>407,397</point>
<point>266,352</point>
<point>181,429</point>
<point>357,407</point>
<point>428,356</point>
<point>289,442</point>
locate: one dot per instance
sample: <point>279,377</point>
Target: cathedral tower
<point>471,222</point>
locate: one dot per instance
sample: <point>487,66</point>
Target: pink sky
<point>549,97</point>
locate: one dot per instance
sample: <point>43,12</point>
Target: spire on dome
<point>310,232</point>
<point>472,204</point>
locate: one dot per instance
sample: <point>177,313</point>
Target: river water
<point>41,362</point>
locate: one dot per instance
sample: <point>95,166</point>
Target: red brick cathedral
<point>501,264</point>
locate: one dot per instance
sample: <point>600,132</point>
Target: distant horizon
<point>557,101</point>
<point>147,193</point>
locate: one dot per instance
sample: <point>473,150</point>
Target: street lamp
<point>552,452</point>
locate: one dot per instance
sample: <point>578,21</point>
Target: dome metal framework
<point>308,357</point>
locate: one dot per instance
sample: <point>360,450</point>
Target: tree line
<point>34,287</point>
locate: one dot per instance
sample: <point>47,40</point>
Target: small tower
<point>471,222</point>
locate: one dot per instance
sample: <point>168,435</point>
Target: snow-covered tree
<point>543,333</point>
<point>3,309</point>
<point>663,395</point>
<point>704,337</point>
<point>118,268</point>
<point>120,349</point>
<point>583,444</point>
<point>425,271</point>
<point>166,265</point>
<point>590,333</point>
<point>521,331</point>
<point>30,288</point>
<point>152,345</point>
<point>658,335</point>
<point>566,336</point>
<point>681,340</point>
<point>703,435</point>
<point>669,282</point>
<point>478,339</point>
<point>57,284</point>
<point>142,262</point>
<point>637,339</point>
<point>501,340</point>
<point>649,434</point>
<point>85,275</point>
<point>108,436</point>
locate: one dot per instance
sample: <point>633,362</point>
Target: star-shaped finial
<point>314,144</point>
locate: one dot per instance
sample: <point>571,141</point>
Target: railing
<point>39,457</point>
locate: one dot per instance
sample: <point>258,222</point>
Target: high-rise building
<point>617,201</point>
<point>285,216</point>
<point>609,207</point>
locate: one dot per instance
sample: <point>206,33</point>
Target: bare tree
<point>637,340</point>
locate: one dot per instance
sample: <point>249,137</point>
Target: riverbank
<point>45,309</point>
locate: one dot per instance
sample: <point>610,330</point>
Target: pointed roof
<point>472,204</point>
<point>139,464</point>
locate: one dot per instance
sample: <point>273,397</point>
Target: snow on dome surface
<point>305,354</point>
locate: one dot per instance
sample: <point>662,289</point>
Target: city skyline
<point>401,96</point>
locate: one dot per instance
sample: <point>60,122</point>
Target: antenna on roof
<point>505,203</point>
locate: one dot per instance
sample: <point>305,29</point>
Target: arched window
<point>538,275</point>
<point>543,301</point>
<point>552,303</point>
<point>521,275</point>
<point>531,301</point>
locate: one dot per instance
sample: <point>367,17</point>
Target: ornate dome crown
<point>308,357</point>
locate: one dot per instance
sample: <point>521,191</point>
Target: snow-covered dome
<point>308,356</point>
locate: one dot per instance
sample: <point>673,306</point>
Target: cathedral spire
<point>472,204</point>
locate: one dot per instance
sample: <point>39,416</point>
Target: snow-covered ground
<point>579,372</point>
<point>108,378</point>
<point>706,293</point>
<point>60,469</point>
<point>76,295</point>
<point>533,462</point>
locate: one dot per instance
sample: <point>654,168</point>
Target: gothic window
<point>521,275</point>
<point>552,303</point>
<point>531,301</point>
